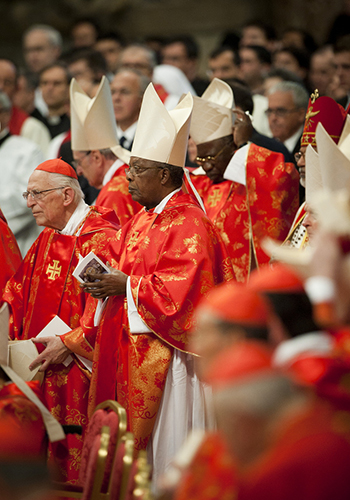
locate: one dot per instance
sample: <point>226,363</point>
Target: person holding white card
<point>43,289</point>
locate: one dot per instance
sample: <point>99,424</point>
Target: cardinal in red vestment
<point>44,287</point>
<point>96,150</point>
<point>10,254</point>
<point>261,196</point>
<point>169,256</point>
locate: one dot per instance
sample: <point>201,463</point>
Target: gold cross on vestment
<point>54,270</point>
<point>214,198</point>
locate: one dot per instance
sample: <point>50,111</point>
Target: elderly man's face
<point>136,58</point>
<point>144,177</point>
<point>214,156</point>
<point>126,97</point>
<point>284,117</point>
<point>38,51</point>
<point>48,208</point>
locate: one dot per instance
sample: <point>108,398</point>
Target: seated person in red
<point>10,255</point>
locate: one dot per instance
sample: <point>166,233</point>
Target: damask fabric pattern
<point>297,236</point>
<point>22,431</point>
<point>211,474</point>
<point>10,255</point>
<point>44,287</point>
<point>115,195</point>
<point>244,215</point>
<point>173,258</point>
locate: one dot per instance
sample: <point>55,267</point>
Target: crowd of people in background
<point>186,182</point>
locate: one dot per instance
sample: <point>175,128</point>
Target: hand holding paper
<point>55,352</point>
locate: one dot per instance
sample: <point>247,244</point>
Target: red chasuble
<point>22,430</point>
<point>10,255</point>
<point>211,474</point>
<point>244,215</point>
<point>173,259</point>
<point>44,287</point>
<point>115,195</point>
<point>309,459</point>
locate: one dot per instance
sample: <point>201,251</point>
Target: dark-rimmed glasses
<point>37,195</point>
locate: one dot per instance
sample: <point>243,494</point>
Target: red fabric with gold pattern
<point>44,287</point>
<point>211,474</point>
<point>22,430</point>
<point>244,215</point>
<point>309,459</point>
<point>115,195</point>
<point>323,110</point>
<point>173,258</point>
<point>10,254</point>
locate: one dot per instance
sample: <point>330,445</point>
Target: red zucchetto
<point>57,166</point>
<point>278,279</point>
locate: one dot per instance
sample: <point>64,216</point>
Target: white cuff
<point>136,324</point>
<point>320,289</point>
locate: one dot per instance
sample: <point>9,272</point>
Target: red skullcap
<point>238,304</point>
<point>57,166</point>
<point>326,111</point>
<point>242,361</point>
<point>278,279</point>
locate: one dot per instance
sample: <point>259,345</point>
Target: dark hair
<point>225,48</point>
<point>58,64</point>
<point>269,31</point>
<point>7,59</point>
<point>93,58</point>
<point>295,311</point>
<point>242,95</point>
<point>250,331</point>
<point>285,75</point>
<point>112,35</point>
<point>188,42</point>
<point>262,53</point>
<point>176,173</point>
<point>301,56</point>
<point>86,20</point>
<point>309,43</point>
<point>342,44</point>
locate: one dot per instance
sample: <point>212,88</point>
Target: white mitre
<point>162,135</point>
<point>93,124</point>
<point>212,113</point>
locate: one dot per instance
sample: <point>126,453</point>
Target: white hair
<point>60,180</point>
<point>54,37</point>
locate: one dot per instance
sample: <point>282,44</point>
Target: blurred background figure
<point>342,67</point>
<point>258,33</point>
<point>84,33</point>
<point>223,64</point>
<point>322,70</point>
<point>110,45</point>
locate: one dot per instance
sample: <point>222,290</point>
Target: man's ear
<point>165,176</point>
<point>68,196</point>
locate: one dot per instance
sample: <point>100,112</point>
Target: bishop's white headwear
<point>162,135</point>
<point>212,113</point>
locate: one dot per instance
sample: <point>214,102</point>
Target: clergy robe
<point>115,195</point>
<point>173,259</point>
<point>297,236</point>
<point>309,459</point>
<point>10,255</point>
<point>44,287</point>
<point>244,215</point>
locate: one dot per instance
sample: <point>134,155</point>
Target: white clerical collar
<point>112,170</point>
<point>159,208</point>
<point>292,141</point>
<point>129,133</point>
<point>76,219</point>
<point>309,343</point>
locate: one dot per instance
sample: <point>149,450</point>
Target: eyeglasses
<point>209,158</point>
<point>280,112</point>
<point>76,163</point>
<point>37,195</point>
<point>298,156</point>
<point>136,170</point>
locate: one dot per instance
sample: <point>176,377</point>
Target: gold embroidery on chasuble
<point>194,244</point>
<point>54,270</point>
<point>133,240</point>
<point>214,198</point>
<point>171,218</point>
